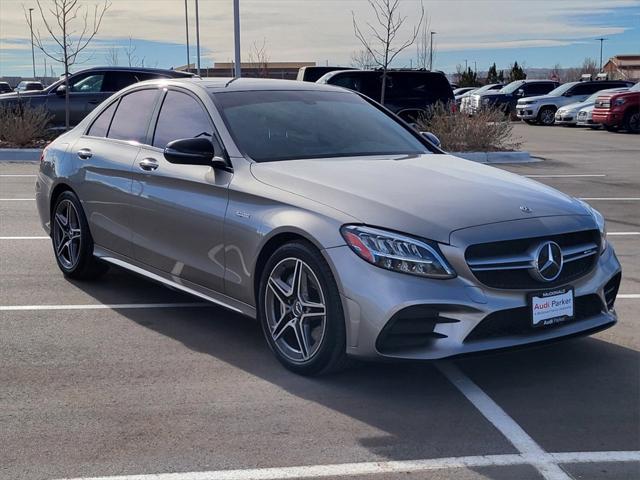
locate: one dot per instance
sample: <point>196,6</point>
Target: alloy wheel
<point>295,309</point>
<point>66,234</point>
<point>634,122</point>
<point>547,116</point>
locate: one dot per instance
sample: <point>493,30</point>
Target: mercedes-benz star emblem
<point>548,262</point>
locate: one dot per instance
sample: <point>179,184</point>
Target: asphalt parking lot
<point>123,377</point>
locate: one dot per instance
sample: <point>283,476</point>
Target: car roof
<point>227,84</point>
<point>177,73</point>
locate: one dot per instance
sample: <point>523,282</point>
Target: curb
<point>497,157</point>
<point>20,154</point>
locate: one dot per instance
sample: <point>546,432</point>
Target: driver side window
<point>181,116</point>
<point>87,83</point>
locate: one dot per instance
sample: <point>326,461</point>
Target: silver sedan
<point>345,232</point>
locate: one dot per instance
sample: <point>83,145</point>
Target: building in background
<point>623,67</point>
<point>281,70</point>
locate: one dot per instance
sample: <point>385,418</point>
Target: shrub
<point>488,130</point>
<point>21,124</point>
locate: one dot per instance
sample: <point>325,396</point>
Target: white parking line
<point>15,175</point>
<point>611,199</point>
<point>627,296</point>
<point>622,233</point>
<point>17,199</point>
<point>544,463</point>
<point>568,175</point>
<point>372,468</point>
<point>101,306</point>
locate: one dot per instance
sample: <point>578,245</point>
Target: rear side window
<point>181,116</point>
<point>100,125</point>
<point>429,86</point>
<point>538,88</point>
<point>132,116</point>
<point>115,81</point>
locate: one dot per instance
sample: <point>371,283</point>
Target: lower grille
<point>611,290</point>
<point>509,264</point>
<point>517,321</point>
<point>412,327</point>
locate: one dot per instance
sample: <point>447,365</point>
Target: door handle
<point>85,153</point>
<point>148,164</point>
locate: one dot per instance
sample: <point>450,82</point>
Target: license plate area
<point>551,307</point>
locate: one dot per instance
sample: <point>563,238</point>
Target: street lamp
<point>236,37</point>
<point>33,54</point>
<point>431,51</point>
<point>186,25</point>
<point>198,36</point>
<point>601,41</point>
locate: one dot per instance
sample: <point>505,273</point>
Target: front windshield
<point>485,88</point>
<point>635,88</point>
<point>512,87</point>
<point>285,125</point>
<point>593,97</point>
<point>556,92</point>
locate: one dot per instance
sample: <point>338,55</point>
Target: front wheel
<point>300,311</point>
<point>72,242</point>
<point>632,122</point>
<point>547,116</point>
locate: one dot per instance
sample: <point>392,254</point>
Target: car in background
<point>5,87</point>
<point>585,118</point>
<point>506,98</point>
<point>408,93</point>
<point>542,109</point>
<point>568,115</point>
<point>312,74</point>
<point>28,85</point>
<point>619,110</point>
<point>460,93</point>
<point>87,89</point>
<point>465,100</point>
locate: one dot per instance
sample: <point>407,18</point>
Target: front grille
<point>611,290</point>
<point>517,321</point>
<point>508,264</point>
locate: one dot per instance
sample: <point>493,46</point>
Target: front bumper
<point>610,118</point>
<point>568,118</point>
<point>527,112</point>
<point>372,297</point>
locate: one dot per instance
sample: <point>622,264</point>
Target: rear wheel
<point>300,311</point>
<point>72,242</point>
<point>632,122</point>
<point>547,116</point>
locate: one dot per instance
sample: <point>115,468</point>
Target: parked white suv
<point>542,109</point>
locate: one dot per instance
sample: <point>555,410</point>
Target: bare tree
<point>69,27</point>
<point>362,59</point>
<point>259,57</point>
<point>425,51</point>
<point>112,57</point>
<point>130,53</point>
<point>380,38</point>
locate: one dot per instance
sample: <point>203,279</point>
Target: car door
<point>582,91</point>
<point>107,152</point>
<point>85,93</point>
<point>178,210</point>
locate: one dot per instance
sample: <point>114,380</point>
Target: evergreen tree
<point>517,73</point>
<point>492,74</point>
<point>501,76</point>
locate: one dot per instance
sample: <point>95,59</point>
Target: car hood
<point>425,195</point>
<point>577,105</point>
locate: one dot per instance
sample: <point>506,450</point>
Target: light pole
<point>236,37</point>
<point>431,50</point>
<point>186,26</point>
<point>33,54</point>
<point>198,36</point>
<point>601,42</point>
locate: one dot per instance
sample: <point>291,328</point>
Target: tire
<point>632,122</point>
<point>71,239</point>
<point>306,343</point>
<point>547,116</point>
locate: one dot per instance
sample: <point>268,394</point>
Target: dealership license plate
<point>551,307</point>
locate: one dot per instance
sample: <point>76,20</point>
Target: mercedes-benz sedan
<point>320,213</point>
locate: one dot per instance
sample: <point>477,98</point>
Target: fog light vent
<point>611,290</point>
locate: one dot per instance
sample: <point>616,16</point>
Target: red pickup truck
<point>619,110</point>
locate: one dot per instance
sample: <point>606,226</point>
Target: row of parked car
<point>613,104</point>
<point>21,87</point>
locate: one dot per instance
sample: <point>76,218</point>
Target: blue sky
<point>537,33</point>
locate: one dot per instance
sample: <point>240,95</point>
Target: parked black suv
<point>87,89</point>
<point>311,74</point>
<point>507,97</point>
<point>408,93</point>
<point>5,87</point>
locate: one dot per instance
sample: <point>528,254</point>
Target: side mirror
<point>61,90</point>
<point>194,151</point>
<point>431,137</point>
<point>520,93</point>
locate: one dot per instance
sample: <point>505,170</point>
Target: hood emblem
<point>525,209</point>
<point>548,262</point>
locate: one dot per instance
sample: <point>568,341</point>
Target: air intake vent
<point>611,290</point>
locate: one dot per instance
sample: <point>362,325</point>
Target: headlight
<point>599,218</point>
<point>619,101</point>
<point>396,252</point>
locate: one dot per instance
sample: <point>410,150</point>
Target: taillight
<point>454,107</point>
